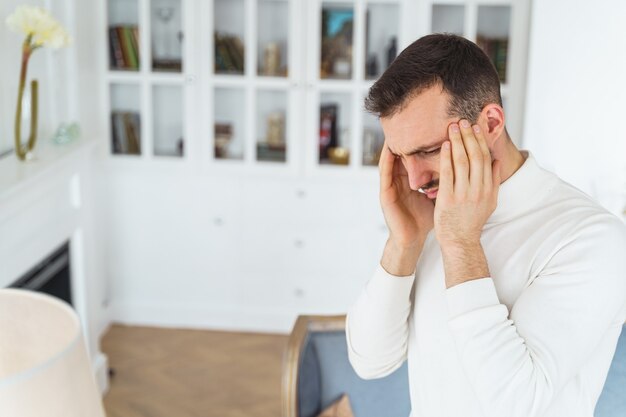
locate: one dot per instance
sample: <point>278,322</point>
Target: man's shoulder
<point>571,204</point>
<point>580,220</point>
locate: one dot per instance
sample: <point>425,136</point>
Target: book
<point>235,48</point>
<point>125,132</point>
<point>131,126</point>
<point>223,60</point>
<point>117,55</point>
<point>229,53</point>
<point>116,146</point>
<point>134,37</point>
<point>119,133</point>
<point>127,43</point>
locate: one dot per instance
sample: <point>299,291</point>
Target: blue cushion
<point>612,401</point>
<point>308,381</point>
<point>387,396</point>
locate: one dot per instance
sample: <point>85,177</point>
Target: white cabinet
<point>278,85</point>
<point>228,124</point>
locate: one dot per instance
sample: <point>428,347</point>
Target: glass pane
<point>167,107</point>
<point>493,35</point>
<point>450,19</point>
<point>125,119</point>
<point>381,38</point>
<point>335,128</point>
<point>373,139</point>
<point>229,138</point>
<point>273,27</point>
<point>336,42</point>
<point>271,126</point>
<point>123,35</point>
<point>229,36</point>
<point>167,35</point>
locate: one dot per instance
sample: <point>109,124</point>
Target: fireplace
<point>50,276</point>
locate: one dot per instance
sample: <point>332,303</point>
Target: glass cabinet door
<point>167,120</point>
<point>272,38</point>
<point>166,35</point>
<point>335,128</point>
<point>125,124</point>
<point>381,38</point>
<point>271,126</point>
<point>492,35</point>
<point>373,139</point>
<point>336,36</point>
<point>229,120</point>
<point>123,35</point>
<point>229,17</point>
<point>448,18</point>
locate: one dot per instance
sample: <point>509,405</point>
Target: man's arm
<point>518,363</point>
<point>377,325</point>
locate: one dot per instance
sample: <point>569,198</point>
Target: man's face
<point>415,135</point>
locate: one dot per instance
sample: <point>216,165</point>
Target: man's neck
<point>512,159</point>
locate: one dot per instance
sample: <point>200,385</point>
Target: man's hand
<point>468,195</point>
<point>408,214</point>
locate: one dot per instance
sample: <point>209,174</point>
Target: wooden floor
<point>189,373</point>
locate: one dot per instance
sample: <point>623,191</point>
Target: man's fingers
<point>497,175</point>
<point>385,166</point>
<point>446,172</point>
<point>474,155</point>
<point>459,158</point>
<point>482,142</point>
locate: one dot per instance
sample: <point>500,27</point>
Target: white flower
<point>36,21</point>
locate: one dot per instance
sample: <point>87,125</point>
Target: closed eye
<point>430,153</point>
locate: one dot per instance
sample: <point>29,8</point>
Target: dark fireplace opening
<point>50,276</point>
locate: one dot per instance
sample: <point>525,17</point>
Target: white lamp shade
<point>44,367</point>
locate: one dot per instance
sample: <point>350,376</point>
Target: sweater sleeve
<point>518,363</point>
<point>377,325</point>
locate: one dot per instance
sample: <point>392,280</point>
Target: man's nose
<point>417,171</point>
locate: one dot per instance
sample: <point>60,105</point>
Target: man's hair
<point>458,65</point>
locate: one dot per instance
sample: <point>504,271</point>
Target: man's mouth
<point>430,192</point>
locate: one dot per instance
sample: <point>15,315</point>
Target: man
<point>503,286</point>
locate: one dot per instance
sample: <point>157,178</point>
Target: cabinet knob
<point>190,79</point>
<point>218,221</point>
<point>298,243</point>
<point>300,193</point>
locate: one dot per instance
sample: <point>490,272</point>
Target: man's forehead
<point>398,151</point>
<point>416,136</point>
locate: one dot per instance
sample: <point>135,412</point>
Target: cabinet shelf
<point>280,82</point>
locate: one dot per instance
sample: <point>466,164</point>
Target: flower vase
<point>26,111</point>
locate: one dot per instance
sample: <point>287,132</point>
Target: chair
<point>612,401</point>
<point>316,372</point>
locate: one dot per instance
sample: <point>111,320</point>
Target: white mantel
<point>44,203</point>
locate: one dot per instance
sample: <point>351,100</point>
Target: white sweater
<point>535,339</point>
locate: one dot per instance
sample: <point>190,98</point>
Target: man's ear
<point>491,120</point>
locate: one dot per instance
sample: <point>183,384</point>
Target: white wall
<point>576,97</point>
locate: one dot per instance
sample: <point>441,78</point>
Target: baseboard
<point>101,369</point>
<point>266,321</point>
